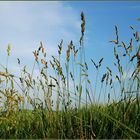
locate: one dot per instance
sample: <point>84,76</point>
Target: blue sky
<point>25,24</point>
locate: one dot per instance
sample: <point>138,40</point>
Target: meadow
<point>28,109</point>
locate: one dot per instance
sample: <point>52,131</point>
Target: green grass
<point>95,122</point>
<point>28,110</point>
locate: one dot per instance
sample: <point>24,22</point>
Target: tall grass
<point>28,108</point>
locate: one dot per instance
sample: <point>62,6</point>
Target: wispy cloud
<point>25,24</point>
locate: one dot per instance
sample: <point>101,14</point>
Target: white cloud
<point>25,24</point>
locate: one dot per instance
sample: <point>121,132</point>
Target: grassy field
<point>28,109</point>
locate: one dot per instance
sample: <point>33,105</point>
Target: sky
<point>25,24</point>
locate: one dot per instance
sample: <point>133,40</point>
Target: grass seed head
<point>35,54</point>
<point>137,36</point>
<point>60,47</point>
<point>82,28</point>
<point>138,59</point>
<point>44,62</point>
<point>9,49</point>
